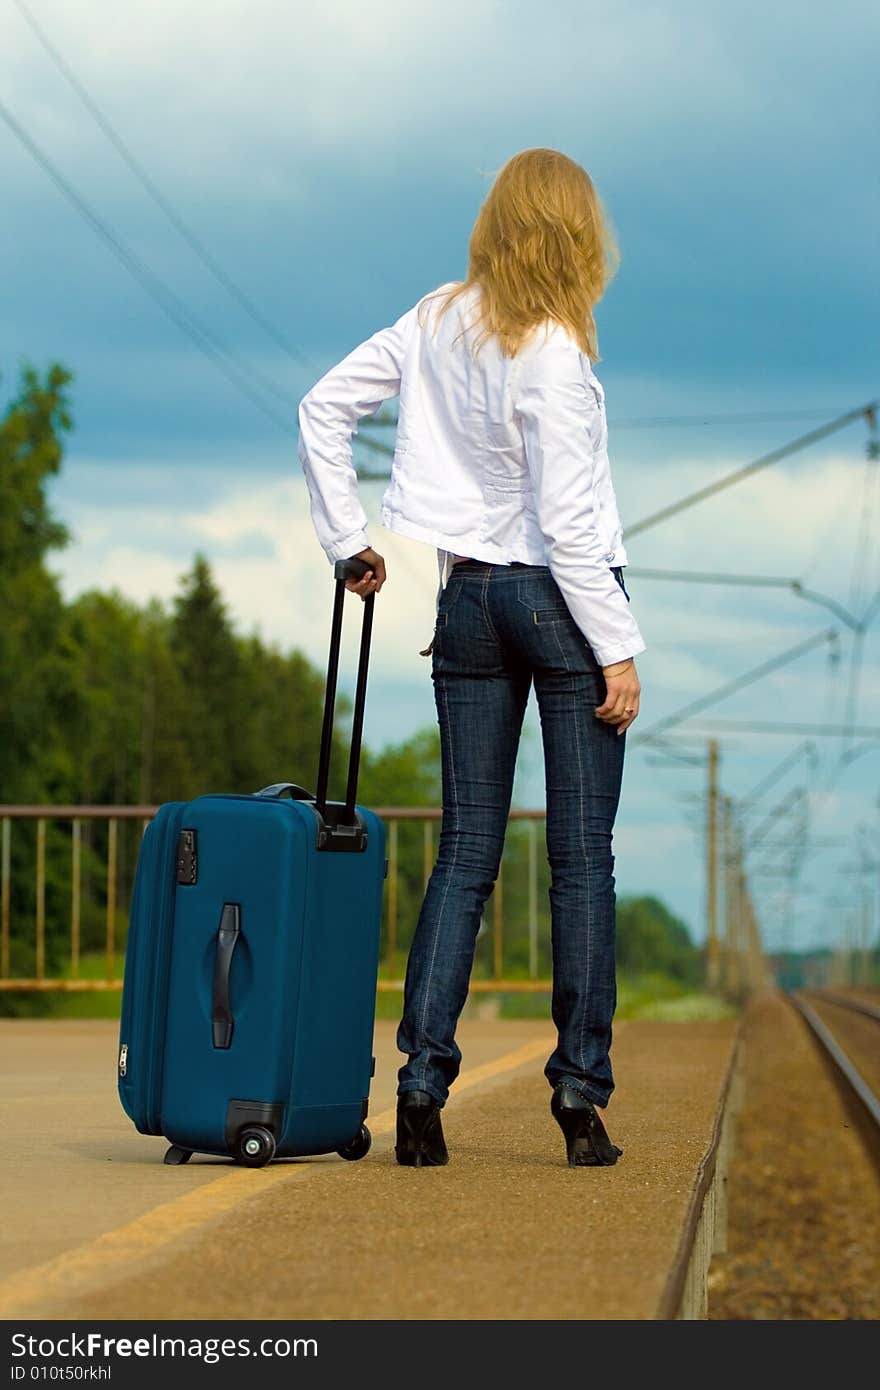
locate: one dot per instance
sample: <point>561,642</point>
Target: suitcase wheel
<point>255,1146</point>
<point>358,1147</point>
<point>176,1156</point>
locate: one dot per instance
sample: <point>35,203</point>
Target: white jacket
<point>497,458</point>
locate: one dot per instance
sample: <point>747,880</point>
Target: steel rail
<point>844,1001</point>
<point>831,1046</point>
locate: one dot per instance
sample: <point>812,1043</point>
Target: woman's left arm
<point>328,417</point>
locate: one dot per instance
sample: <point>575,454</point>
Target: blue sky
<point>333,162</point>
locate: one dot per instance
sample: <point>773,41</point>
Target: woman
<point>501,462</point>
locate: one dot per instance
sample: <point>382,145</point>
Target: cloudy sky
<point>331,161</point>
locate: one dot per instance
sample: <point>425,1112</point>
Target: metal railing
<point>77,824</point>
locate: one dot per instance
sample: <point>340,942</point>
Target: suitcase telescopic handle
<point>222,1022</point>
<point>352,568</point>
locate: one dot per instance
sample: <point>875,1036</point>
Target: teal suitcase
<point>250,971</point>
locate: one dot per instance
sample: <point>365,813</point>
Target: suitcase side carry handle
<point>222,1022</point>
<point>278,789</point>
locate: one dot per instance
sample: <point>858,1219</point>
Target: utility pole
<point>713,960</point>
<point>760,974</point>
<point>743,952</point>
<point>731,972</point>
<point>864,935</point>
<point>735,966</point>
<point>751,944</point>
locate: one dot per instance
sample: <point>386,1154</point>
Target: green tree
<point>650,938</point>
<point>165,755</point>
<point>214,720</point>
<point>30,601</point>
<point>105,656</point>
<point>284,714</point>
<point>402,774</point>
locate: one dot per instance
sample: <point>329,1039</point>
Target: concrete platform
<point>95,1225</point>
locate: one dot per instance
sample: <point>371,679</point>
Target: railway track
<point>804,1234</point>
<point>848,1001</point>
<point>809,1004</point>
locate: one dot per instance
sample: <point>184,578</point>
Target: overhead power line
<point>871,611</point>
<point>861,562</point>
<point>752,581</point>
<point>852,753</point>
<point>169,302</point>
<point>745,472</point>
<point>748,678</point>
<point>867,536</point>
<point>167,299</point>
<point>775,774</point>
<point>766,726</point>
<point>745,417</point>
<point>792,798</point>
<point>836,841</point>
<point>196,245</point>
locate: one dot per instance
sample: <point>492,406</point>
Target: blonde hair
<point>542,247</point>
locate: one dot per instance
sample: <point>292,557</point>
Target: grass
<point>659,999</point>
<point>656,998</point>
<point>87,1003</point>
<point>103,1003</point>
<point>650,997</point>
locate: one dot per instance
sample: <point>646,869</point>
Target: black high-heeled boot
<point>420,1142</point>
<point>586,1139</point>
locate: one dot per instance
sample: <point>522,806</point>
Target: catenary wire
<point>738,683</point>
<point>168,301</point>
<point>196,245</point>
<point>159,292</point>
<point>775,456</point>
<point>750,581</point>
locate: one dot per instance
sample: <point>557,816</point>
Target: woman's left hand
<point>374,578</point>
<point>622,695</point>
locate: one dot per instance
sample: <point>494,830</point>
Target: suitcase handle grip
<point>353,568</point>
<point>222,1022</point>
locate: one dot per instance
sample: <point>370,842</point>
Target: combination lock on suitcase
<point>250,971</point>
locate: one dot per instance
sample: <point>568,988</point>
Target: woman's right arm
<point>561,427</point>
<point>328,417</point>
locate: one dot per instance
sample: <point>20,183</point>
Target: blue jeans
<point>500,627</point>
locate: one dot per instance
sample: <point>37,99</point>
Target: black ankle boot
<point>420,1142</point>
<point>586,1140</point>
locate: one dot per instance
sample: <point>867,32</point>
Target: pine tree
<point>31,687</point>
<point>214,719</point>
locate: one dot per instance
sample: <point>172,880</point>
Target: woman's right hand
<point>621,704</point>
<point>374,578</point>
